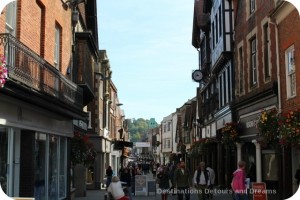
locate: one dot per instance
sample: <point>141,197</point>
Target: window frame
<point>290,75</point>
<point>57,46</point>
<point>253,61</point>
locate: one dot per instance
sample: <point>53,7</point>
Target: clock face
<point>197,75</point>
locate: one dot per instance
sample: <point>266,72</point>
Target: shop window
<point>4,159</point>
<point>40,166</point>
<point>62,167</point>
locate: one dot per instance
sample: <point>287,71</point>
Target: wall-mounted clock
<point>197,75</point>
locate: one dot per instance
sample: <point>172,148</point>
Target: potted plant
<point>268,127</point>
<point>3,71</point>
<point>83,154</point>
<point>229,133</point>
<point>289,128</point>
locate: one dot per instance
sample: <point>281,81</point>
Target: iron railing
<point>28,68</point>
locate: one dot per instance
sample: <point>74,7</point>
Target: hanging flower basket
<point>268,127</point>
<point>3,71</point>
<point>229,133</point>
<point>201,145</point>
<point>289,128</point>
<point>82,151</point>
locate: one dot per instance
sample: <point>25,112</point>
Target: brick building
<point>51,50</point>
<point>287,25</point>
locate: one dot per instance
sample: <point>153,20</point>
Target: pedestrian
<point>182,181</point>
<point>252,172</point>
<point>297,175</point>
<point>126,178</point>
<point>108,173</point>
<point>201,180</point>
<point>154,168</point>
<point>164,182</point>
<point>238,182</point>
<point>116,190</point>
<point>172,172</point>
<point>212,177</point>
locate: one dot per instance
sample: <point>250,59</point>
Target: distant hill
<point>138,128</point>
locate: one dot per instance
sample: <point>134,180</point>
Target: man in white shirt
<point>212,180</point>
<point>201,180</point>
<point>116,190</point>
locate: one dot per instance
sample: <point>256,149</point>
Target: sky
<point>148,43</point>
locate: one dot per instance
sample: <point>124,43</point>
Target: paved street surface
<point>100,194</point>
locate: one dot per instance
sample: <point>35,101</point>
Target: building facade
<point>286,23</point>
<point>43,100</point>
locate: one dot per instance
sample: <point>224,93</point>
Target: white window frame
<point>253,51</point>
<point>290,72</point>
<point>57,47</point>
<point>252,6</point>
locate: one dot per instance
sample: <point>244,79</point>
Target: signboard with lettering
<point>259,191</point>
<point>152,187</point>
<point>141,185</point>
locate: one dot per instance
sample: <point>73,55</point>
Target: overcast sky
<point>148,43</point>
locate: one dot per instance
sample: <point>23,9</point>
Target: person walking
<point>172,172</point>
<point>212,177</point>
<point>108,173</point>
<point>126,178</point>
<point>164,182</point>
<point>201,180</point>
<point>182,181</point>
<point>154,168</point>
<point>238,182</point>
<point>116,190</point>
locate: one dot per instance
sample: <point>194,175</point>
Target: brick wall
<point>40,36</point>
<point>288,31</point>
<point>245,27</point>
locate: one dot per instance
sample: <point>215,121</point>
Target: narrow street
<point>100,194</point>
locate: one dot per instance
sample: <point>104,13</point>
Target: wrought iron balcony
<point>27,68</point>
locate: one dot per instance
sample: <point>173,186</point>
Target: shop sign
<point>141,185</point>
<point>259,191</point>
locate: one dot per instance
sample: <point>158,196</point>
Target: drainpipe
<point>277,63</point>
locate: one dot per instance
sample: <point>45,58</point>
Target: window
<point>224,88</point>
<point>220,22</point>
<point>241,71</point>
<point>100,89</point>
<point>213,35</point>
<point>220,92</point>
<point>4,159</point>
<point>169,126</point>
<point>266,52</point>
<point>252,6</point>
<point>57,47</point>
<point>10,23</point>
<point>217,28</point>
<point>62,185</point>
<point>291,72</point>
<point>253,67</point>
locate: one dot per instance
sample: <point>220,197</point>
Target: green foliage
<point>138,129</point>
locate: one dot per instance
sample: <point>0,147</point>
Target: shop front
<point>34,150</point>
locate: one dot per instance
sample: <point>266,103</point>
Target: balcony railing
<point>28,68</point>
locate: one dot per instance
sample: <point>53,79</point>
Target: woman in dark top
<point>109,173</point>
<point>126,177</point>
<point>164,182</point>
